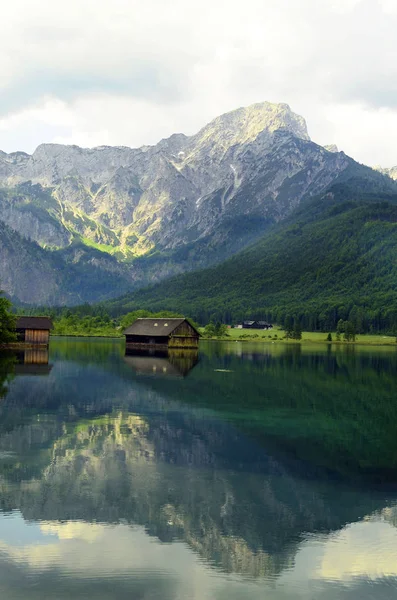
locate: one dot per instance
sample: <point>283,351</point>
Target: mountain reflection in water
<point>266,472</point>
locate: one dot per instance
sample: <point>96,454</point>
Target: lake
<point>250,471</point>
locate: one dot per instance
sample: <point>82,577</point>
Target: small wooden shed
<point>34,330</point>
<point>162,334</point>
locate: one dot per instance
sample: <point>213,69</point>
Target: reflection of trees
<point>7,365</point>
<point>333,409</point>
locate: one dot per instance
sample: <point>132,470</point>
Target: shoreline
<point>368,340</point>
<point>82,335</point>
<point>392,344</point>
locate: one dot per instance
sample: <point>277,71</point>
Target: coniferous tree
<point>220,329</point>
<point>297,331</point>
<point>349,331</point>
<point>288,327</point>
<point>7,322</point>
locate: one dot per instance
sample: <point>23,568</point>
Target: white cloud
<point>130,72</point>
<point>358,561</point>
<point>366,549</point>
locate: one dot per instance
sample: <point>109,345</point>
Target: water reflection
<point>163,488</point>
<point>7,368</point>
<point>33,361</point>
<point>172,363</point>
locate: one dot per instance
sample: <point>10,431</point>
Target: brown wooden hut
<point>161,334</point>
<point>34,330</point>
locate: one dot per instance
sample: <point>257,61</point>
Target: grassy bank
<point>108,333</point>
<point>277,335</point>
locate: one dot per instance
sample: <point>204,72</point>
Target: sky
<point>357,562</point>
<point>130,72</point>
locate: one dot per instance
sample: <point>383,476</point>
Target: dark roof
<point>34,323</point>
<point>154,327</point>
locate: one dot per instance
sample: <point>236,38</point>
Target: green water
<point>250,471</point>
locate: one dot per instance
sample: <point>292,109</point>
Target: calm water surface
<point>259,472</point>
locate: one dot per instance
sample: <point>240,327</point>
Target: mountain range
<point>87,225</point>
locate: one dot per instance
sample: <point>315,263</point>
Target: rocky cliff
<point>392,172</point>
<point>185,203</point>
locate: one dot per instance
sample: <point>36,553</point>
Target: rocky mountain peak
<point>203,197</point>
<point>391,172</point>
<point>331,148</point>
<point>245,124</point>
<point>175,143</point>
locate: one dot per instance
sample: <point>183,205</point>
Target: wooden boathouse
<point>162,334</point>
<point>34,330</point>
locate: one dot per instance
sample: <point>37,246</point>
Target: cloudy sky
<point>130,72</point>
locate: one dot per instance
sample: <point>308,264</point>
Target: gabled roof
<point>155,327</point>
<point>34,323</point>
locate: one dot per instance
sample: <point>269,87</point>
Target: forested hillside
<point>335,258</point>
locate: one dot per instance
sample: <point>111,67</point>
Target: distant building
<point>248,325</point>
<point>264,325</point>
<point>162,334</point>
<point>255,325</point>
<point>34,330</point>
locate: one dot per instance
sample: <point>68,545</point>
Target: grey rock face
<point>241,172</point>
<point>331,148</point>
<point>392,172</point>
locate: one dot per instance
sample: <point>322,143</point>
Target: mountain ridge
<point>185,203</point>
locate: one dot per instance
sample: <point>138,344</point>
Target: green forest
<point>334,259</point>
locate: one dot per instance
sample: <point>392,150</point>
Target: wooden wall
<point>185,329</point>
<point>37,336</point>
<point>184,336</point>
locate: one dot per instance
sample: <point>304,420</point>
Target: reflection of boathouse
<point>34,330</point>
<point>176,363</point>
<point>162,334</point>
<point>33,361</point>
